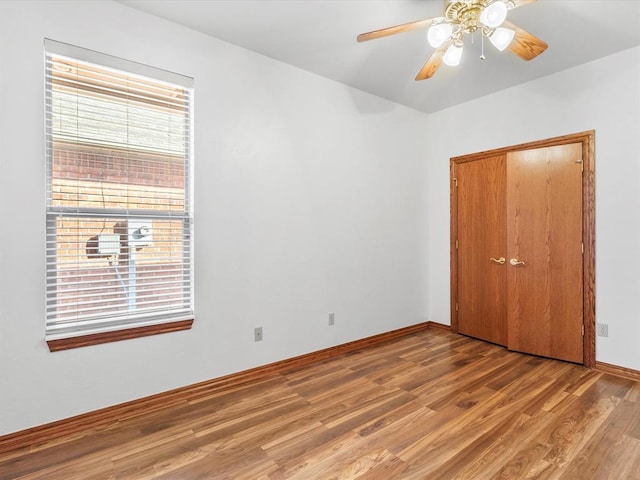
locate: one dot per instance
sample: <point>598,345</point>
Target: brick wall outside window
<point>100,177</point>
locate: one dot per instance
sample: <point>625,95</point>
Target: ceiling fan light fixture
<point>446,33</point>
<point>438,34</point>
<point>502,37</point>
<point>494,15</point>
<point>453,55</point>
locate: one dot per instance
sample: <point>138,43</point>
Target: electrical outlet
<point>257,334</point>
<point>332,319</point>
<point>603,329</point>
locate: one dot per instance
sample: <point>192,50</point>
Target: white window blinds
<point>119,208</point>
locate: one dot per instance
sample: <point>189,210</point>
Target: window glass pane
<point>99,177</point>
<point>104,268</point>
<point>135,125</point>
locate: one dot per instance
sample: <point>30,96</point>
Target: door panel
<point>481,235</point>
<point>544,230</point>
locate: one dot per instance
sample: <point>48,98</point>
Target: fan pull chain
<point>482,57</point>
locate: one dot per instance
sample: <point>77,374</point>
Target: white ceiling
<point>320,36</point>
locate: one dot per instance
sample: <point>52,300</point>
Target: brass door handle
<point>515,262</point>
<point>500,260</point>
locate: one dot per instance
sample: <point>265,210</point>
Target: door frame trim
<point>587,139</point>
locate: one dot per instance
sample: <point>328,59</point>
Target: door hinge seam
<point>456,244</point>
<point>455,181</point>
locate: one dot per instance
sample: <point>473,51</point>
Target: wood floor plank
<point>603,450</point>
<point>521,465</point>
<point>391,417</point>
<point>574,427</point>
<point>503,447</point>
<point>465,464</point>
<point>433,405</point>
<point>627,464</point>
<point>313,462</point>
<point>405,431</point>
<point>390,468</point>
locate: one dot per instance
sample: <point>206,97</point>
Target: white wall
<point>604,96</point>
<point>308,201</point>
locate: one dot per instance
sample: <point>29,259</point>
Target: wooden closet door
<point>544,231</point>
<point>482,236</point>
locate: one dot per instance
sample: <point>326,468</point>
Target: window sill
<point>116,336</point>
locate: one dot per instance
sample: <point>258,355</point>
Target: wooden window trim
<point>117,335</point>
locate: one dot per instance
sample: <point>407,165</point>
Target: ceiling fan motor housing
<point>465,14</point>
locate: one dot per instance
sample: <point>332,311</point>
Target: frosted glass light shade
<point>501,38</point>
<point>438,34</point>
<point>452,56</point>
<point>494,14</point>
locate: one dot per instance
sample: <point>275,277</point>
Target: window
<point>119,208</point>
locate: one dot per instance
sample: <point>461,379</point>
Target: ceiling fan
<point>461,17</point>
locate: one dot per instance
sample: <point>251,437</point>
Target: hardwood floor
<point>432,405</point>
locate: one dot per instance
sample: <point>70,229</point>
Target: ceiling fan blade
<point>524,44</point>
<point>405,27</point>
<point>520,3</point>
<point>434,62</point>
